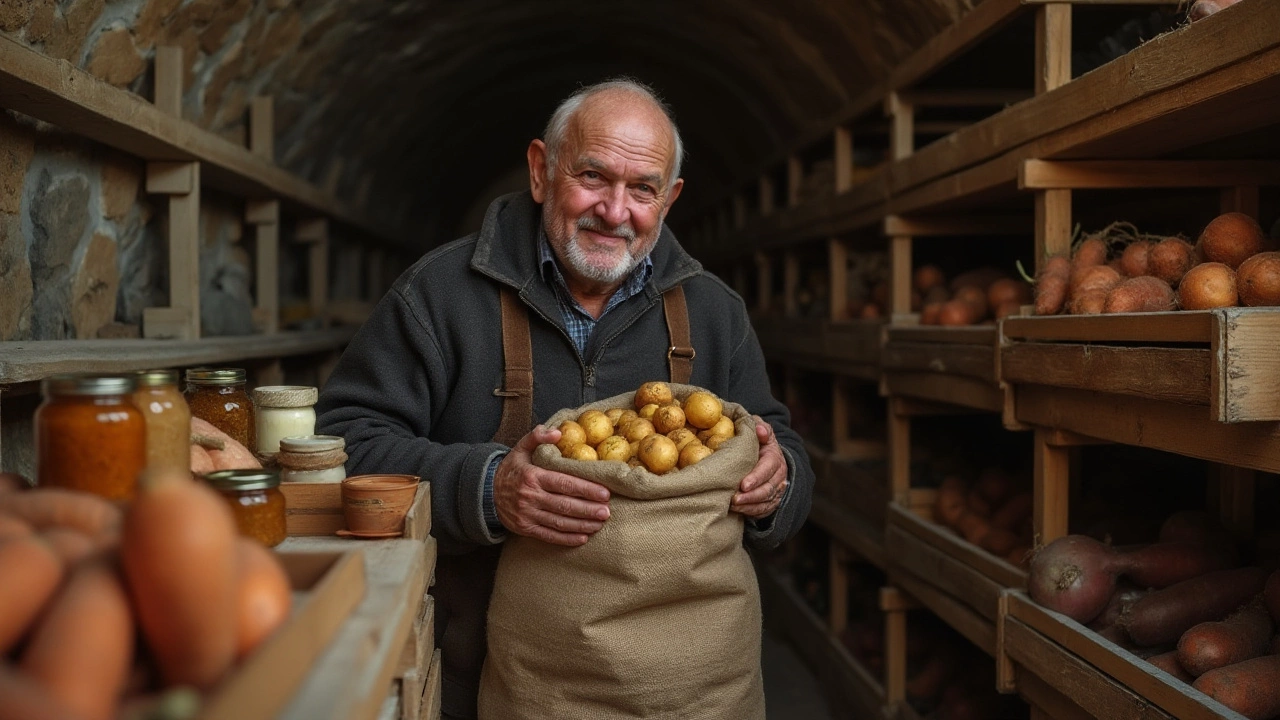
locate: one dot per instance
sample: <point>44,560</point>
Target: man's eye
<point>591,175</point>
<point>647,189</point>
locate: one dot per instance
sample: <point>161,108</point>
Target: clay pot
<point>376,505</point>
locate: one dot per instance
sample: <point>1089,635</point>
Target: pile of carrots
<point>993,513</point>
<point>1231,264</point>
<point>969,298</point>
<point>1183,603</point>
<point>84,579</point>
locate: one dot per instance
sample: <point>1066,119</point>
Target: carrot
<point>54,507</point>
<point>950,503</point>
<point>1168,662</point>
<point>22,699</point>
<point>1140,294</point>
<point>1051,285</point>
<point>179,557</point>
<point>1162,616</point>
<point>1090,252</point>
<point>1251,688</point>
<point>83,647</point>
<point>35,562</point>
<point>1244,634</point>
<point>1014,511</point>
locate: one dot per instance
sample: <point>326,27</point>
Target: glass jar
<point>168,419</point>
<point>313,458</point>
<point>89,436</point>
<point>218,397</point>
<point>283,411</point>
<point>256,501</point>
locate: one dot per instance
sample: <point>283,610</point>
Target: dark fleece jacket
<point>414,392</point>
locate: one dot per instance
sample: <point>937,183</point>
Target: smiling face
<point>610,189</point>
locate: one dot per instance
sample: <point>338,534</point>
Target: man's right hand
<point>539,503</point>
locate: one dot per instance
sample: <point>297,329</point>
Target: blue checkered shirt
<point>579,323</point>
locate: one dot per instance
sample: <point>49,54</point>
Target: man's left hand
<point>760,492</point>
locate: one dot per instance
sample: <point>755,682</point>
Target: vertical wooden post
<point>1051,489</point>
<point>167,95</point>
<point>1243,199</point>
<point>844,159</point>
<point>180,181</point>
<point>1053,224</point>
<point>795,178</point>
<point>895,646</point>
<point>1053,46</point>
<point>315,233</point>
<point>899,276</point>
<point>838,612</point>
<point>764,282</point>
<point>838,281</point>
<point>264,216</point>
<point>739,212</point>
<point>767,194</point>
<point>902,130</point>
<point>790,284</point>
<point>899,432</point>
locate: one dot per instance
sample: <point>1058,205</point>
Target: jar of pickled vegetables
<point>89,436</point>
<point>283,411</point>
<point>168,419</point>
<point>218,397</point>
<point>256,501</point>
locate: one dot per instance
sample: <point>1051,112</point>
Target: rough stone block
<point>15,13</point>
<point>15,278</point>
<point>66,41</point>
<point>93,293</point>
<point>17,147</point>
<point>43,15</point>
<point>59,208</point>
<point>121,178</point>
<point>114,59</point>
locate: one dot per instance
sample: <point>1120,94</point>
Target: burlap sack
<point>657,616</point>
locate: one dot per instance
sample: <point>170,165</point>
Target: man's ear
<point>674,193</point>
<point>537,155</point>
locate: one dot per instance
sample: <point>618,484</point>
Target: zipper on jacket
<point>591,376</point>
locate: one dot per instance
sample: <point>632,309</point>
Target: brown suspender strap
<point>680,354</point>
<point>517,371</point>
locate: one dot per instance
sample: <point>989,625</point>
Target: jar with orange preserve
<point>218,397</point>
<point>256,500</point>
<point>89,435</point>
<point>168,419</point>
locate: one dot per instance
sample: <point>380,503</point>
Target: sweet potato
<point>999,541</point>
<point>1244,634</point>
<point>33,560</point>
<point>930,312</point>
<point>1162,616</point>
<point>995,485</point>
<point>1140,294</point>
<point>1207,286</point>
<point>1008,290</point>
<point>12,527</point>
<point>1251,688</point>
<point>1052,285</point>
<point>13,482</point>
<point>1168,662</point>
<point>1258,280</point>
<point>1170,259</point>
<point>973,527</point>
<point>1088,303</point>
<point>959,312</point>
<point>231,456</point>
<point>1231,238</point>
<point>1160,565</point>
<point>1093,277</point>
<point>950,503</point>
<point>1090,252</point>
<point>1136,258</point>
<point>977,503</point>
<point>927,277</point>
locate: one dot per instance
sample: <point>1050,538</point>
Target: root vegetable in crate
<point>1258,280</point>
<point>657,615</point>
<point>1206,286</point>
<point>1232,238</point>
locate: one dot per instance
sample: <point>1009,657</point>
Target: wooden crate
<point>1039,647</point>
<point>850,347</point>
<point>431,694</point>
<point>952,365</point>
<point>1225,360</point>
<point>315,509</point>
<point>328,586</point>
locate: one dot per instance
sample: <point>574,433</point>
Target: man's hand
<point>550,506</point>
<point>760,492</point>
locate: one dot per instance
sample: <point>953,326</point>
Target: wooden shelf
<point>956,366</point>
<point>1227,360</point>
<point>849,348</point>
<point>852,691</point>
<point>57,92</point>
<point>854,532</point>
<point>1104,679</point>
<point>22,362</point>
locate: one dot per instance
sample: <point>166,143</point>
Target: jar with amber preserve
<point>218,397</point>
<point>168,419</point>
<point>256,500</point>
<point>89,436</point>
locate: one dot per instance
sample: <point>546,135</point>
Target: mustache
<point>595,224</point>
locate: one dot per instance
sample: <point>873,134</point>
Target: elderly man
<point>572,292</point>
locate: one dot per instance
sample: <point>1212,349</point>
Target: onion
<point>1073,575</point>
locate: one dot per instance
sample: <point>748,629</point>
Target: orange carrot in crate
<point>1170,259</point>
<point>1140,294</point>
<point>1093,278</point>
<point>82,649</point>
<point>35,562</point>
<point>54,507</point>
<point>1258,280</point>
<point>1231,238</point>
<point>1168,662</point>
<point>1251,688</point>
<point>1051,285</point>
<point>1206,286</point>
<point>1090,252</point>
<point>1162,616</point>
<point>1244,634</point>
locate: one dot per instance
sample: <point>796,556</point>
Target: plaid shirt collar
<point>578,321</point>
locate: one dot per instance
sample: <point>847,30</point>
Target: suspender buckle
<point>686,353</point>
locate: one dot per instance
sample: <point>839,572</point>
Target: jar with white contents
<point>283,411</point>
<point>312,459</point>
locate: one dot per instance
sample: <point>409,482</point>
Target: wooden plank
<point>262,128</point>
<point>902,134</point>
<point>1053,46</point>
<point>900,275</point>
<point>434,688</point>
<point>1086,174</point>
<point>952,225</point>
<point>183,186</point>
<point>979,23</point>
<point>421,643</point>
<point>843,159</point>
<point>1183,326</point>
<point>795,179</point>
<point>172,178</point>
<point>971,335</point>
<point>953,389</point>
<point>1179,429</point>
<point>975,361</point>
<point>838,280</point>
<point>57,92</point>
<point>1006,680</point>
<point>975,628</point>
<point>943,572</point>
<point>1151,685</point>
<point>895,653</point>
<point>838,580</point>
<point>1053,704</point>
<point>167,93</point>
<point>1093,691</point>
<point>32,361</point>
<point>899,436</point>
<point>851,530</point>
<point>964,97</point>
<point>1053,224</point>
<point>1241,199</point>
<point>1247,364</point>
<point>1185,373</point>
<point>267,261</point>
<point>952,545</point>
<point>1052,481</point>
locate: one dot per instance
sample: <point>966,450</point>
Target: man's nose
<point>613,207</point>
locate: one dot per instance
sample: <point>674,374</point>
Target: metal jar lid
<point>157,378</point>
<point>312,443</point>
<point>216,376</point>
<point>285,396</point>
<point>88,385</point>
<point>254,479</point>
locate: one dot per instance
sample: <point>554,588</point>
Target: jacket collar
<point>507,250</point>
